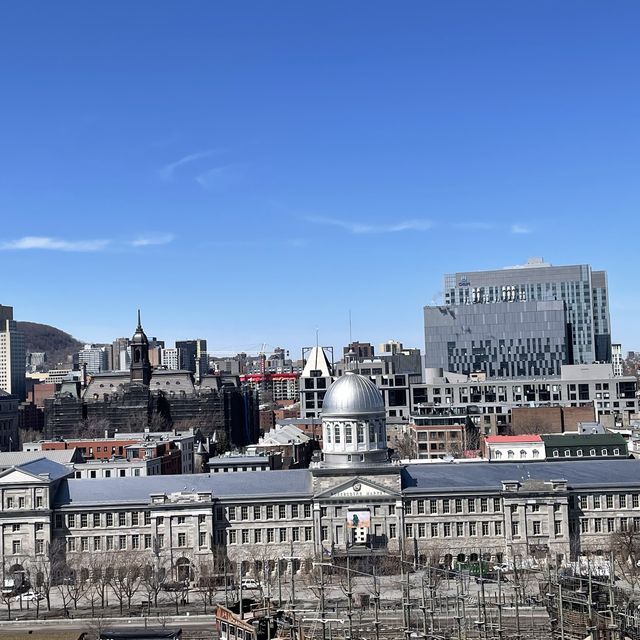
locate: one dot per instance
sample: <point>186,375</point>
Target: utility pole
<point>376,603</point>
<point>349,598</point>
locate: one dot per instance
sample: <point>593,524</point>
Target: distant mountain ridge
<point>58,345</point>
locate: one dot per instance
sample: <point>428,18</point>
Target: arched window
<point>604,452</point>
<point>556,453</point>
<point>360,433</point>
<point>337,434</point>
<point>498,455</point>
<point>523,453</point>
<point>348,436</point>
<point>567,453</point>
<point>510,454</point>
<point>329,434</point>
<point>536,453</point>
<point>592,452</point>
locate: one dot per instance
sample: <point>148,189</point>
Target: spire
<point>139,328</point>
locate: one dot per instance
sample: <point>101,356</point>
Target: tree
<point>98,581</point>
<point>126,578</point>
<point>625,547</point>
<point>154,573</point>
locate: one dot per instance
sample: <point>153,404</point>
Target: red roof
<point>508,439</point>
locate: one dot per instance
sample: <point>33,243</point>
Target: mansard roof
<point>488,476</point>
<point>245,484</point>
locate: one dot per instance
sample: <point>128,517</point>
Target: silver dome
<point>351,395</point>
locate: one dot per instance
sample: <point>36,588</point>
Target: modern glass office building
<point>583,290</point>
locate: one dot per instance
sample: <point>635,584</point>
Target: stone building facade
<point>352,502</point>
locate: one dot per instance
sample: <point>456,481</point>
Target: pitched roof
<point>488,476</point>
<point>43,466</point>
<point>585,439</point>
<point>16,458</point>
<point>247,484</point>
<point>514,439</point>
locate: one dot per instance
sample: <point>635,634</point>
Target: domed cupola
<point>353,423</point>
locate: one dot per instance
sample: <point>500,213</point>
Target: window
<point>596,502</point>
<point>336,433</point>
<point>109,543</point>
<point>308,534</point>
<point>9,503</point>
<point>484,505</point>
<point>59,521</point>
<point>557,527</point>
<point>39,502</point>
<point>232,513</point>
<point>147,541</point>
<point>269,512</point>
<point>15,527</point>
<point>282,534</point>
<point>434,530</point>
<point>295,534</point>
<point>282,511</point>
<point>122,542</point>
<point>244,537</point>
<point>485,528</point>
<point>39,546</point>
<point>348,438</point>
<point>202,539</point>
<point>471,505</point>
<point>147,517</point>
<point>472,529</point>
<point>597,525</point>
<point>635,501</point>
<point>20,503</point>
<point>122,519</point>
<point>611,525</point>
<point>257,513</point>
<point>258,536</point>
<point>445,506</point>
<point>307,510</point>
<point>135,542</point>
<point>498,526</point>
<point>458,505</point>
<point>71,544</point>
<point>422,530</point>
<point>537,527</point>
<point>324,532</point>
<point>420,507</point>
<point>584,525</point>
<point>232,536</point>
<point>160,521</point>
<point>181,519</point>
<point>460,529</point>
<point>609,501</point>
<point>433,506</point>
<point>392,509</point>
<point>39,526</point>
<point>623,501</point>
<point>567,453</point>
<point>447,530</point>
<point>496,504</point>
<point>515,529</point>
<point>294,511</point>
<point>135,519</point>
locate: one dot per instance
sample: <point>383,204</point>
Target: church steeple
<point>140,364</point>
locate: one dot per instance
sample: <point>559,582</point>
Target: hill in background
<point>59,346</point>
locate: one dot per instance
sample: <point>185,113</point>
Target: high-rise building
<point>616,359</point>
<point>120,355</point>
<point>94,357</point>
<point>583,290</point>
<point>170,358</point>
<point>13,355</point>
<point>193,356</point>
<point>500,339</point>
<point>316,377</point>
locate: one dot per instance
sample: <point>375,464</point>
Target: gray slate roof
<point>484,476</point>
<point>247,484</point>
<point>15,458</point>
<point>44,466</point>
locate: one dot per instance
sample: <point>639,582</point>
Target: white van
<point>249,583</point>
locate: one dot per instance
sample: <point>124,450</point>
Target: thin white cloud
<point>166,172</point>
<point>54,244</point>
<point>363,228</point>
<point>519,229</point>
<point>151,240</point>
<point>474,226</point>
<point>220,177</point>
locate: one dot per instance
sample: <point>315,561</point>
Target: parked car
<point>29,596</point>
<point>249,583</point>
<point>173,586</point>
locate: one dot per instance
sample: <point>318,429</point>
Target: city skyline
<point>252,173</point>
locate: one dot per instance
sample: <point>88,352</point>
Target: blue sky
<point>248,172</point>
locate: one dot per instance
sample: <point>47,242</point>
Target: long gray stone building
<point>352,502</point>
